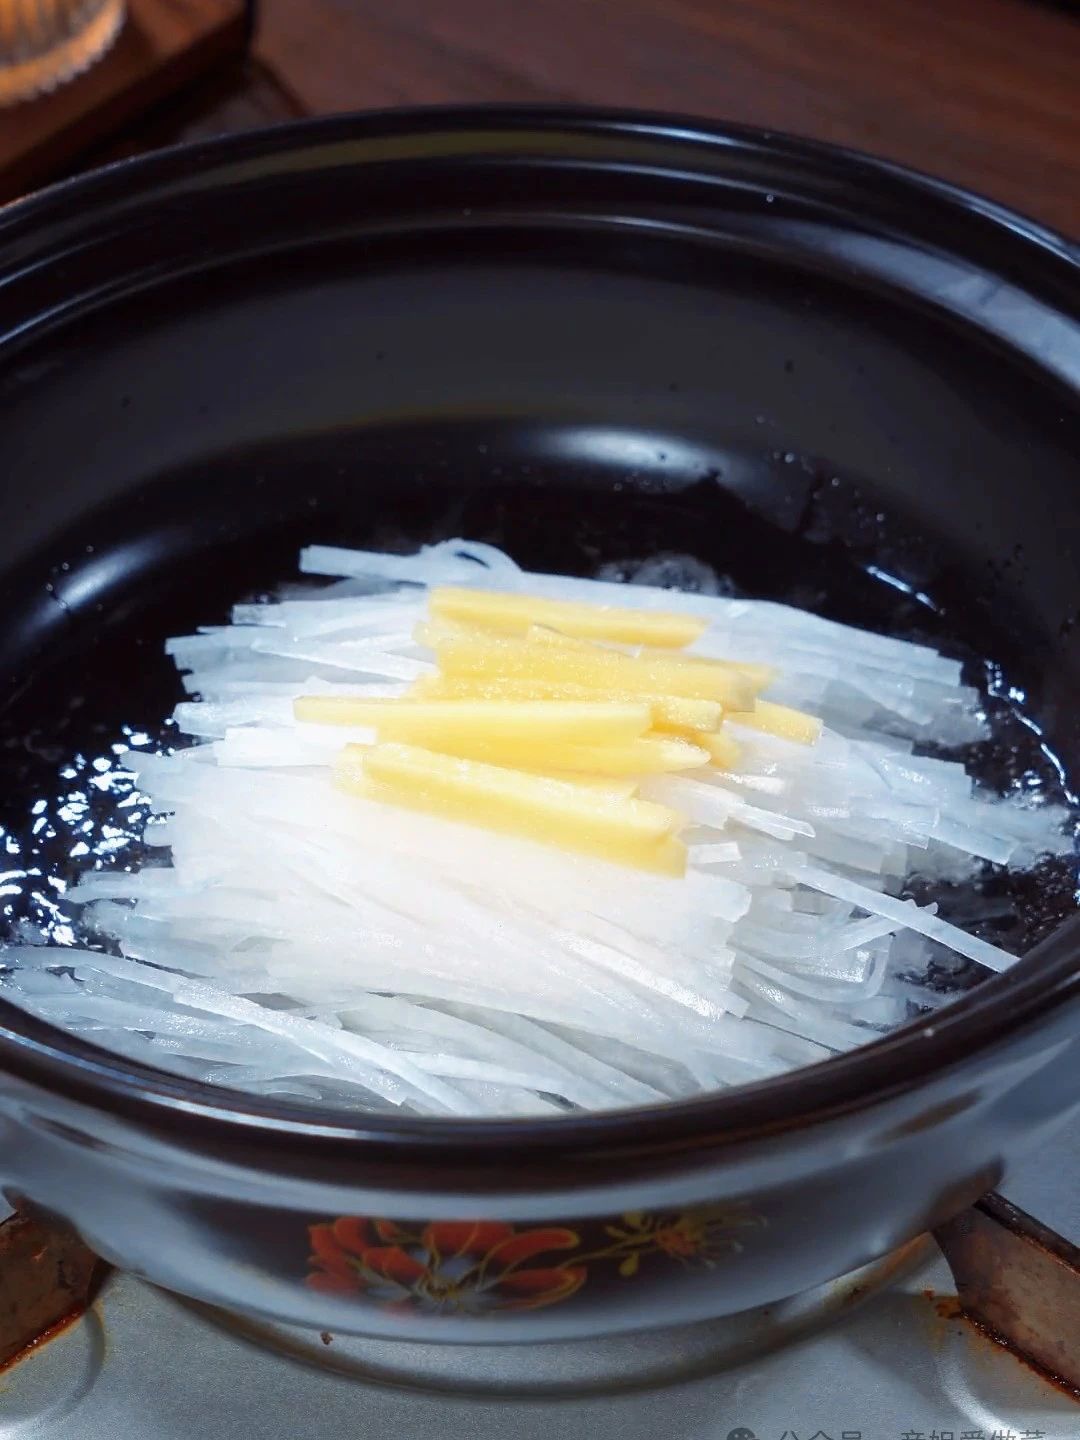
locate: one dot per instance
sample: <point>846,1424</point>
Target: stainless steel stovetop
<point>898,1365</point>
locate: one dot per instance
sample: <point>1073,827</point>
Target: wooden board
<point>229,99</point>
<point>164,45</point>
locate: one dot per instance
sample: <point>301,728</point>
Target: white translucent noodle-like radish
<point>908,914</point>
<point>298,942</point>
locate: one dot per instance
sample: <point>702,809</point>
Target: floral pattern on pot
<point>472,1267</point>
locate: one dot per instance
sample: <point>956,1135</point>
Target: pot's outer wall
<point>761,1221</point>
<point>522,327</point>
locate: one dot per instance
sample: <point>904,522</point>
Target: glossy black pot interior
<point>587,339</point>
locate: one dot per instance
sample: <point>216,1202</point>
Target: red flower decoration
<point>445,1267</point>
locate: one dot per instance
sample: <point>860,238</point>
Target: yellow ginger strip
<point>649,755</point>
<point>544,635</point>
<point>513,614</point>
<point>501,657</point>
<point>780,720</point>
<point>611,785</point>
<point>722,750</point>
<point>675,714</point>
<point>442,724</point>
<point>760,676</point>
<point>629,832</point>
<point>619,787</point>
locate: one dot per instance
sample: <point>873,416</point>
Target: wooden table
<point>982,92</point>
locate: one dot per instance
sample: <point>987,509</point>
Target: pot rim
<point>1042,982</point>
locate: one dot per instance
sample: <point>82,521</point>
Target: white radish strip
<point>403,1024</point>
<point>452,562</point>
<point>909,915</point>
<point>973,842</point>
<point>713,805</point>
<point>308,1035</point>
<point>457,1067</point>
<point>723,852</point>
<point>566,1052</point>
<point>376,662</point>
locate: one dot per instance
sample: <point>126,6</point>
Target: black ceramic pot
<point>589,338</point>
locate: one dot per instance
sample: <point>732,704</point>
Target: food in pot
<point>453,838</point>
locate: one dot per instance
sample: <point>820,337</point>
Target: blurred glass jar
<point>45,42</point>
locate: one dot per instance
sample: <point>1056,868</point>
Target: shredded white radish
<point>331,947</point>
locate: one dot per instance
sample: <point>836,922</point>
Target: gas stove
<point>883,1354</point>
